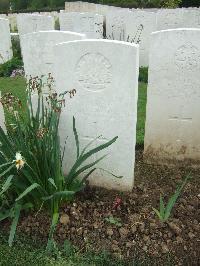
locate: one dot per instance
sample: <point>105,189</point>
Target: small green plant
<point>165,211</point>
<point>7,68</point>
<point>31,158</point>
<point>113,220</point>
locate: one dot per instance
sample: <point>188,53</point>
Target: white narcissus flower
<point>19,161</point>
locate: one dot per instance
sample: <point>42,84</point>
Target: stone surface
<point>37,50</point>
<point>89,24</point>
<point>5,41</point>
<point>27,23</point>
<point>173,110</point>
<point>116,24</point>
<point>105,104</point>
<point>178,18</point>
<point>139,26</point>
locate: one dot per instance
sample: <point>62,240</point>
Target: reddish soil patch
<point>84,224</point>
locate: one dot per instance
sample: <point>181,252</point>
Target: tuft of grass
<point>141,115</point>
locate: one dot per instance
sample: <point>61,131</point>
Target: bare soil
<point>141,233</point>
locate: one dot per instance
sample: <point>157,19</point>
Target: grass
<point>25,252</point>
<point>17,87</point>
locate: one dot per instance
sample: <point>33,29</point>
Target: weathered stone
<point>93,68</point>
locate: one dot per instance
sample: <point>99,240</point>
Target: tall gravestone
<point>5,41</point>
<point>178,18</point>
<point>89,24</point>
<point>105,104</point>
<point>37,50</point>
<point>139,26</point>
<point>173,109</point>
<point>27,23</point>
<point>116,24</point>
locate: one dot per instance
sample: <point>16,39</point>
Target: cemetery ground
<point>122,224</point>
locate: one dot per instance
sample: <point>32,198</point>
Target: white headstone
<point>37,50</point>
<point>27,23</point>
<point>173,109</point>
<point>178,18</point>
<point>139,26</point>
<point>105,104</point>
<point>116,25</point>
<point>5,41</point>
<point>89,24</point>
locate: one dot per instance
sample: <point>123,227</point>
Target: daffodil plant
<point>31,159</point>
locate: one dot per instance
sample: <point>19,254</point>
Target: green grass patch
<point>25,252</point>
<point>17,87</point>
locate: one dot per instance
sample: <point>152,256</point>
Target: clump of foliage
<point>165,210</point>
<point>143,74</point>
<point>7,68</point>
<point>31,158</point>
<point>114,221</point>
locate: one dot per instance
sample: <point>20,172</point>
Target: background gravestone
<point>27,23</point>
<point>116,24</point>
<point>89,24</point>
<point>37,50</point>
<point>178,18</point>
<point>5,41</point>
<point>173,109</point>
<point>105,104</point>
<point>139,26</point>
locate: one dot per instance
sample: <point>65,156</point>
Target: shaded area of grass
<point>33,253</point>
<point>17,87</point>
<point>141,116</point>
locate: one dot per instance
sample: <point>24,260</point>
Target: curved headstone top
<point>90,24</point>
<point>27,23</point>
<point>105,76</point>
<point>37,50</point>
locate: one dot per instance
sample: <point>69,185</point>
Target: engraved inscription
<point>87,24</point>
<point>187,57</point>
<point>94,72</point>
<point>117,29</point>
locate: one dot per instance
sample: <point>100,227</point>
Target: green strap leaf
<point>7,170</point>
<point>6,185</point>
<point>17,210</point>
<point>28,190</point>
<point>76,137</point>
<point>52,182</point>
<point>59,194</point>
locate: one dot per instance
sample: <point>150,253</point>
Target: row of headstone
<point>136,25</point>
<point>94,68</point>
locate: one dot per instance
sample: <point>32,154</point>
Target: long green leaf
<point>28,190</point>
<point>174,198</point>
<point>162,207</point>
<point>14,224</point>
<point>59,194</point>
<point>6,185</point>
<point>52,182</point>
<point>76,137</point>
<point>7,170</point>
<point>158,214</point>
<point>84,157</point>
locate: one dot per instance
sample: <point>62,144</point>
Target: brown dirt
<point>84,224</point>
